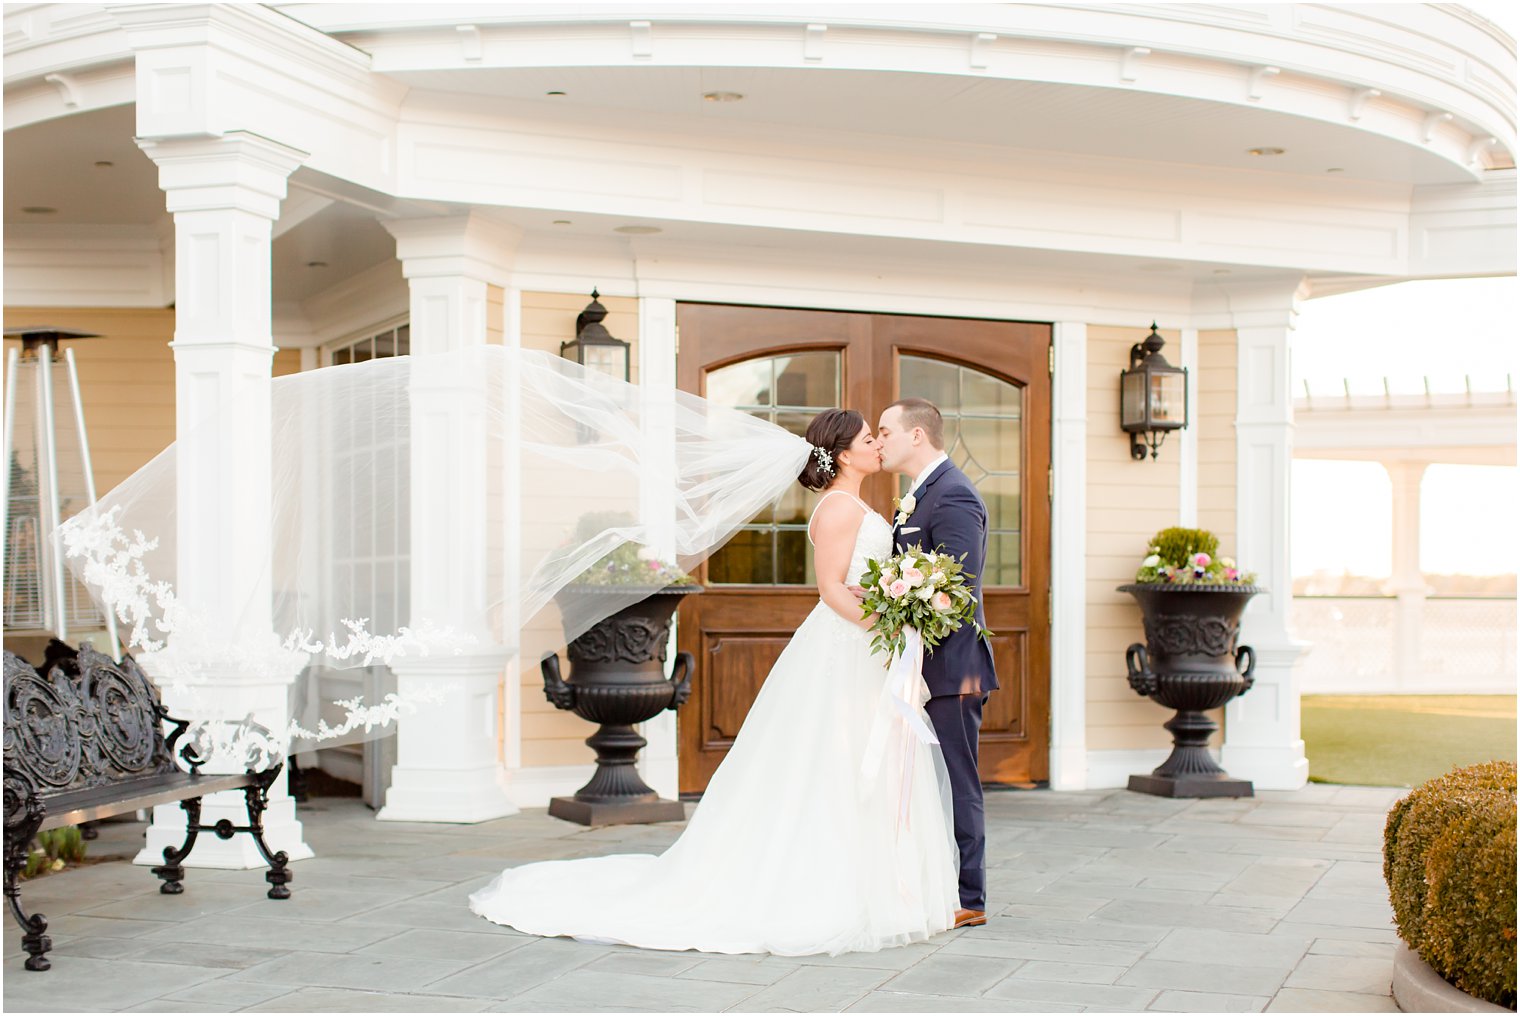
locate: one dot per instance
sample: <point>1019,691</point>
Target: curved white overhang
<point>1114,137</point>
<point>1434,79</point>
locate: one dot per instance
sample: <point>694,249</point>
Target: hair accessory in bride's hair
<point>825,460</point>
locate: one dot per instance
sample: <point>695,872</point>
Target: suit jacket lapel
<point>918,497</point>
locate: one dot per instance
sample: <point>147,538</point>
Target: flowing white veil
<point>550,469</point>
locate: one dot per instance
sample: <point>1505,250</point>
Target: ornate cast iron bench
<point>84,740</point>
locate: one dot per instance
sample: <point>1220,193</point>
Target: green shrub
<point>1449,861</point>
<point>1179,556</point>
<point>1176,546</point>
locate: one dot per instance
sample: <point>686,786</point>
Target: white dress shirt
<point>918,481</point>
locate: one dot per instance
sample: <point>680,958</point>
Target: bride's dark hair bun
<point>833,431</point>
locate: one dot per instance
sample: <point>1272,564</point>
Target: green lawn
<point>1403,740</point>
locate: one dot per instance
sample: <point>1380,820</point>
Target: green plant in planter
<point>630,564</point>
<point>1449,862</point>
<point>1180,556</point>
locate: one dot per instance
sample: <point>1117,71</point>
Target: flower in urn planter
<point>1191,601</point>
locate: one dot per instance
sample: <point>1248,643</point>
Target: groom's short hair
<point>925,414</point>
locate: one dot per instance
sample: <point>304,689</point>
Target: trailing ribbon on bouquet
<point>908,692</point>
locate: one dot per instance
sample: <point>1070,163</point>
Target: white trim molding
<point>657,378</point>
<point>1187,440</point>
<point>534,786</point>
<point>85,266</point>
<point>1068,559</point>
<point>1107,770</point>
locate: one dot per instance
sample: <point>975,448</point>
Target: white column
<point>1408,581</point>
<point>447,765</point>
<point>224,193</point>
<point>1262,740</point>
<point>657,378</point>
<point>1068,560</point>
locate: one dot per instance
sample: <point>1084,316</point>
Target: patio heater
<point>47,479</point>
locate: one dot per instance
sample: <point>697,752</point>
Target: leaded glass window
<point>984,436</point>
<point>788,390</point>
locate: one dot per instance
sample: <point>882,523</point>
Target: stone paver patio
<point>1102,900</point>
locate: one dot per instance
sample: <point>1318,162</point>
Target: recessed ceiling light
<point>555,92</point>
<point>722,96</point>
<point>1265,151</point>
<point>316,264</point>
<point>637,230</point>
<point>39,210</point>
<point>562,222</point>
<point>104,164</point>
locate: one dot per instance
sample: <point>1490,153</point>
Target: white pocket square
<point>910,529</point>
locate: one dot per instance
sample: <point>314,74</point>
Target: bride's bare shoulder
<point>838,514</point>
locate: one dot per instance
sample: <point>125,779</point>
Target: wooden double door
<point>991,381</point>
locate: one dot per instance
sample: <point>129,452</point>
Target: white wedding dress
<point>827,828</point>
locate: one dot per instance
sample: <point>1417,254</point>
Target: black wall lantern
<point>594,346</point>
<point>1153,396</point>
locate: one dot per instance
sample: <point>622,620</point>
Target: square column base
<point>282,831</point>
<point>600,813</point>
<point>462,796</point>
<point>1191,786</point>
<point>1271,767</point>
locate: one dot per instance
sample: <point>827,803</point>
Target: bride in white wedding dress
<point>827,828</point>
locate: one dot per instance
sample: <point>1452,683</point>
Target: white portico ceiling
<point>52,164</point>
<point>912,110</point>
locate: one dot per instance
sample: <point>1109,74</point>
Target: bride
<point>827,829</point>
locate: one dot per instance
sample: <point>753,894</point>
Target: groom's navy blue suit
<point>949,515</point>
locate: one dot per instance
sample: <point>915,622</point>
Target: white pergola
<point>1406,434</point>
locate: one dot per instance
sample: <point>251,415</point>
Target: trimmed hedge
<point>1449,861</point>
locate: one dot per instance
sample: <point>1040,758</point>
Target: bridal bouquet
<point>916,589</point>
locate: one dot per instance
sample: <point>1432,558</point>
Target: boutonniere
<point>904,506</point>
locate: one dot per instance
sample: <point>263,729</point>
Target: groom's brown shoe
<point>970,918</point>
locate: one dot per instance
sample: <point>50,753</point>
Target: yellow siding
<point>1127,502</point>
<point>1215,420</point>
<point>126,380</point>
<point>496,312</point>
<point>552,737</point>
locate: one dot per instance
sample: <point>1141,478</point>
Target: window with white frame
<point>393,341</point>
<point>370,457</point>
<point>359,492</point>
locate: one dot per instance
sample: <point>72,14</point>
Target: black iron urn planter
<point>618,679</point>
<point>1190,662</point>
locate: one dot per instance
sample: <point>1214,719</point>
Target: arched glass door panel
<point>984,436</point>
<point>788,390</point>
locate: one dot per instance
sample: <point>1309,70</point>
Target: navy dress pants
<point>957,722</point>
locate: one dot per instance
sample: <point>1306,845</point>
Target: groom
<point>942,510</point>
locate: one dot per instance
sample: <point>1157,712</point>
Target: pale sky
<point>1342,515</point>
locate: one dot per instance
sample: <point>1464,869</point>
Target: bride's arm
<point>834,530</point>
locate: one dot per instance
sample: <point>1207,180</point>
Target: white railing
<point>1467,645</point>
